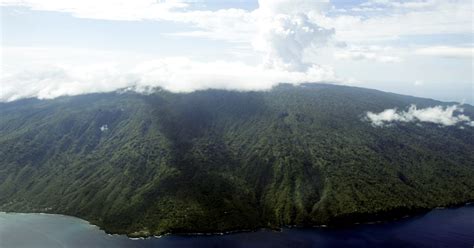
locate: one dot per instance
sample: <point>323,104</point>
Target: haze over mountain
<point>217,160</point>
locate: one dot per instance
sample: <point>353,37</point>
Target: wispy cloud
<point>445,116</point>
<point>106,9</point>
<point>398,19</point>
<point>416,17</point>
<point>418,83</point>
<point>369,53</point>
<point>416,4</point>
<point>447,51</point>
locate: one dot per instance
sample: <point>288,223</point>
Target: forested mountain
<point>218,160</point>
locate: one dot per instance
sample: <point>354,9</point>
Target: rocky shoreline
<point>377,218</point>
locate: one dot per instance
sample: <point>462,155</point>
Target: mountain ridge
<point>216,160</point>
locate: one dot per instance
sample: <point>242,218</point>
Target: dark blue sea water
<point>452,227</point>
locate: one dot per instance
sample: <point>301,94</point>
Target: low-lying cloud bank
<point>173,74</point>
<point>445,116</point>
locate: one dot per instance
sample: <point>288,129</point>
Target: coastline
<point>136,236</point>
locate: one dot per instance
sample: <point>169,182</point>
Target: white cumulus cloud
<point>445,116</point>
<point>285,31</point>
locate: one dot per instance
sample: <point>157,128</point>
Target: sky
<point>51,48</point>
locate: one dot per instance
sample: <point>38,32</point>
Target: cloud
<point>284,33</point>
<point>238,25</point>
<point>105,9</point>
<point>235,25</point>
<point>401,4</point>
<point>406,18</point>
<point>281,31</point>
<point>104,128</point>
<point>444,116</point>
<point>418,83</point>
<point>369,53</point>
<point>55,75</point>
<point>447,51</point>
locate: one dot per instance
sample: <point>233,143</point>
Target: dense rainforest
<point>216,160</point>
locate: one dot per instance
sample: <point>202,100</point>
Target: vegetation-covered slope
<point>221,160</point>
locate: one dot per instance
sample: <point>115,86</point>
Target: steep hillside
<point>222,160</point>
